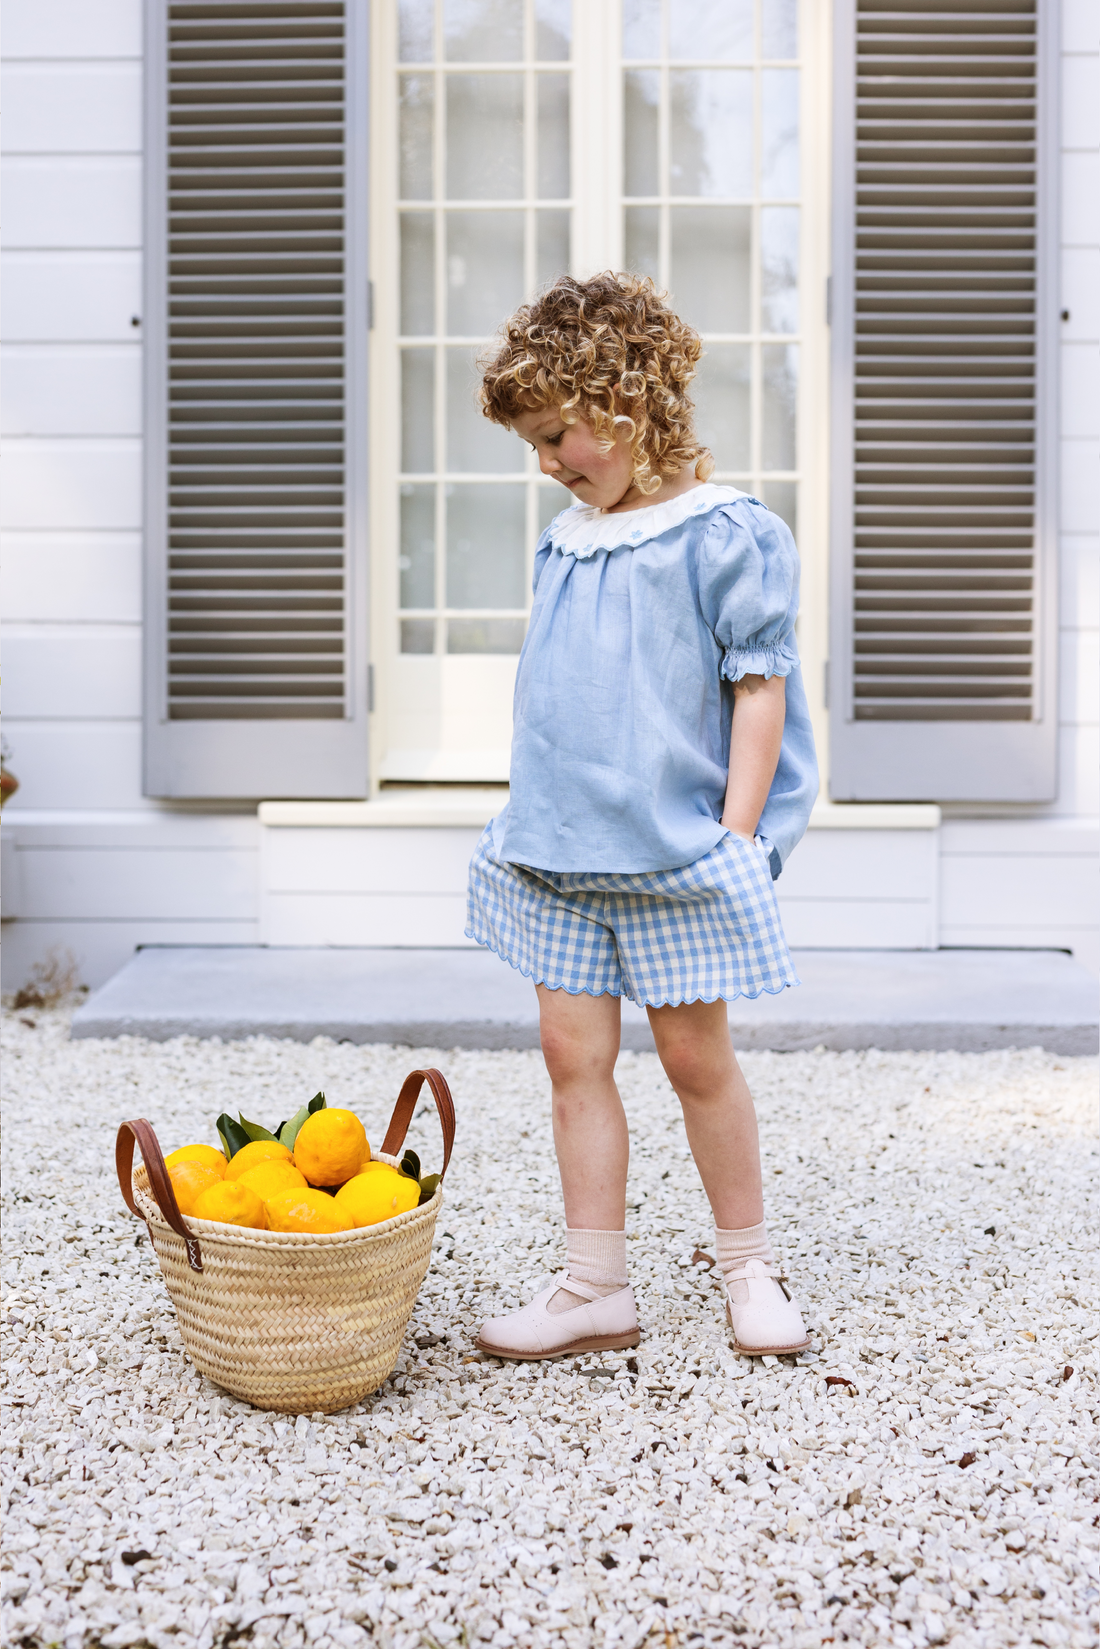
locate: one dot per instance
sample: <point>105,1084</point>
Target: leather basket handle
<point>141,1132</point>
<point>406,1105</point>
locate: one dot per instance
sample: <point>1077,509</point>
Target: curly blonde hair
<point>608,350</point>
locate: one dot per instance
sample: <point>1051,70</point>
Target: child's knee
<point>693,1070</point>
<point>570,1058</point>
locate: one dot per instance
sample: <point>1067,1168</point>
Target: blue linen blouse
<point>623,701</point>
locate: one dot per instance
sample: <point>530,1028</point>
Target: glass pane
<point>712,31</point>
<point>484,136</point>
<point>782,497</point>
<point>709,266</point>
<point>417,272</point>
<point>641,93</point>
<point>641,28</point>
<point>485,552</point>
<point>710,132</point>
<point>485,635</point>
<point>484,270</point>
<point>416,137</point>
<point>473,443</point>
<point>550,501</point>
<point>779,30</point>
<point>641,240</point>
<point>553,103</point>
<point>553,30</point>
<point>552,246</point>
<point>418,635</point>
<point>723,404</point>
<point>779,268</point>
<point>417,410</point>
<point>779,133</point>
<point>779,447</point>
<point>417,559</point>
<point>483,31</point>
<point>415,29</point>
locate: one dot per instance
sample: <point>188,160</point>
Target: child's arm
<point>759,710</point>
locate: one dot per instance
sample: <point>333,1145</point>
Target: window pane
<point>710,132</point>
<point>417,410</point>
<point>779,268</point>
<point>484,136</point>
<point>641,28</point>
<point>415,19</point>
<point>417,560</point>
<point>722,396</point>
<point>473,443</point>
<point>485,635</point>
<point>641,93</point>
<point>641,243</point>
<point>780,400</point>
<point>550,501</point>
<point>709,271</point>
<point>779,133</point>
<point>782,497</point>
<point>485,550</point>
<point>417,272</point>
<point>553,104</point>
<point>553,30</point>
<point>483,31</point>
<point>779,29</point>
<point>552,246</point>
<point>484,270</point>
<point>416,137</point>
<point>712,31</point>
<point>418,635</point>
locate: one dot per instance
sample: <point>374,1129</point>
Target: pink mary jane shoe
<point>608,1322</point>
<point>766,1321</point>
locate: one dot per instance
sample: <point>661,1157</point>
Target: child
<point>662,770</point>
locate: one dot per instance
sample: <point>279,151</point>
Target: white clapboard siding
<point>63,201</point>
<point>945,556</point>
<point>79,578</point>
<point>94,485</point>
<point>72,108</point>
<point>89,389</point>
<point>85,297</point>
<point>70,763</point>
<point>257,304</point>
<point>58,672</point>
<point>72,28</point>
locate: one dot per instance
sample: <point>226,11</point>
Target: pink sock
<point>597,1258</point>
<point>733,1248</point>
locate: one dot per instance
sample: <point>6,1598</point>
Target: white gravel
<point>671,1497</point>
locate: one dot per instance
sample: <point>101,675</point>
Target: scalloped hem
<point>665,1001</point>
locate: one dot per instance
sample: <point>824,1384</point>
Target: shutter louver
<point>946,592</point>
<point>259,353</point>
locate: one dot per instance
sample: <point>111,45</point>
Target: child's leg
<point>693,1042</point>
<point>580,1043</point>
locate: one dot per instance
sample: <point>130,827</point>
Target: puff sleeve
<point>748,590</point>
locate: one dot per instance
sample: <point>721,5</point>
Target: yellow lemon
<point>189,1181</point>
<point>232,1204</point>
<point>371,1197</point>
<point>331,1147</point>
<point>255,1152</point>
<point>206,1154</point>
<point>312,1211</point>
<point>269,1178</point>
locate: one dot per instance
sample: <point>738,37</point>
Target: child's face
<point>572,454</point>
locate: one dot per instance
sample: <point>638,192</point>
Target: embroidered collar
<point>582,529</point>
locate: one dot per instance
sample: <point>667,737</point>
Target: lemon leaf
<point>232,1135</point>
<point>288,1133</point>
<point>317,1103</point>
<point>253,1129</point>
<point>410,1165</point>
<point>428,1187</point>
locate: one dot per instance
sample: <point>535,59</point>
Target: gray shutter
<point>255,334</point>
<point>944,412</point>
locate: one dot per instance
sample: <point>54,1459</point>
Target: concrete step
<point>972,1000</point>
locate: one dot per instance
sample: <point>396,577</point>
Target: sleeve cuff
<point>778,660</point>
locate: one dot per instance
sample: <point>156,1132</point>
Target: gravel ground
<point>927,1475</point>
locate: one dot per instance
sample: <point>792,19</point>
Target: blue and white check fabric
<point>709,930</point>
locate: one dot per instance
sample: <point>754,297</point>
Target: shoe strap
<point>771,1268</point>
<point>572,1285</point>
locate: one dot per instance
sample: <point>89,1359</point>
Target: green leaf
<point>428,1187</point>
<point>317,1103</point>
<point>232,1135</point>
<point>253,1129</point>
<point>288,1133</point>
<point>409,1165</point>
<point>278,1131</point>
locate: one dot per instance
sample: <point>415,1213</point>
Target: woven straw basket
<point>284,1320</point>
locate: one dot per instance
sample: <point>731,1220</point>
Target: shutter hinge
<point>825,681</point>
<point>828,300</point>
<point>370,689</point>
<point>370,306</point>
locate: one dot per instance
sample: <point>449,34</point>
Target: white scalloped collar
<point>583,529</point>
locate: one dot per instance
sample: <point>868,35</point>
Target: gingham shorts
<point>707,931</point>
